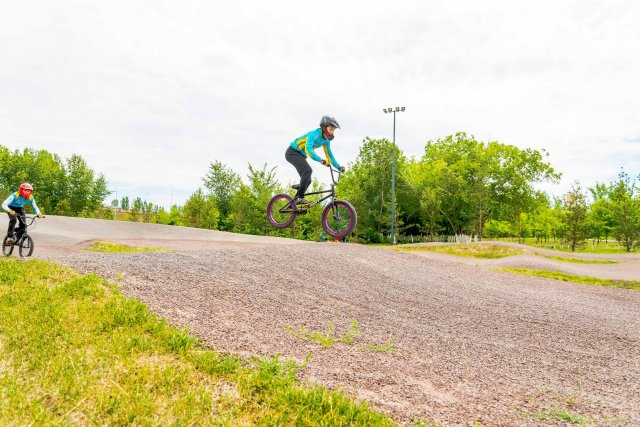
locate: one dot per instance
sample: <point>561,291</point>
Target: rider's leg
<point>12,224</point>
<point>302,166</point>
<point>22,225</point>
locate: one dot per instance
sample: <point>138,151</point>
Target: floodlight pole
<point>393,172</point>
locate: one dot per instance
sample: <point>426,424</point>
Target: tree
<point>575,216</point>
<point>222,183</point>
<point>625,209</point>
<point>124,203</point>
<point>600,214</point>
<point>201,211</point>
<point>367,185</point>
<point>136,208</point>
<point>148,211</point>
<point>80,185</point>
<point>471,182</point>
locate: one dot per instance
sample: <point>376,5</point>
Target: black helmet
<point>329,121</point>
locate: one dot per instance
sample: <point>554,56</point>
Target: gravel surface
<point>470,343</point>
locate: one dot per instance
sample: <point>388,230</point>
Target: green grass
<point>591,246</point>
<point>475,250</point>
<point>379,348</point>
<point>74,350</point>
<point>328,337</point>
<point>586,280</point>
<point>581,261</point>
<point>110,247</point>
<point>563,415</point>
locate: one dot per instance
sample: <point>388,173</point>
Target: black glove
<point>324,162</point>
<point>341,169</point>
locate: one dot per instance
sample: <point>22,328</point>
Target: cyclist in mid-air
<point>14,205</point>
<point>304,147</point>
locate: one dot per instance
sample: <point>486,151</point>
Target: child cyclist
<point>304,147</point>
<point>14,206</point>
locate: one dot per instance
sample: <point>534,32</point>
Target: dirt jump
<point>443,338</point>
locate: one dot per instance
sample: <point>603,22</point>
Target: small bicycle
<point>24,243</point>
<point>338,218</point>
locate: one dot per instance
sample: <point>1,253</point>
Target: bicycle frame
<point>287,208</point>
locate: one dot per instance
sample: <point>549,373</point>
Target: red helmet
<point>24,188</point>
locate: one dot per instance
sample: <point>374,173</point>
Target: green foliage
<point>367,185</point>
<point>574,218</point>
<point>201,211</point>
<point>60,187</point>
<point>624,196</point>
<point>222,183</point>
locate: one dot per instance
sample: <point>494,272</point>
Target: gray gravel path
<point>471,344</point>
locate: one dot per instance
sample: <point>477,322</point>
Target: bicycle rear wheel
<point>6,249</point>
<point>281,211</point>
<point>26,246</point>
<point>339,219</point>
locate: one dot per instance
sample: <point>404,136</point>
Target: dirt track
<point>471,343</point>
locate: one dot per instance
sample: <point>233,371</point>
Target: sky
<point>150,92</point>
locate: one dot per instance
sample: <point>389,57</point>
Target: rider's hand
<point>324,162</point>
<point>12,212</point>
<point>341,169</point>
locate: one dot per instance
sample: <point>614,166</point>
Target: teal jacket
<point>15,200</point>
<point>311,141</point>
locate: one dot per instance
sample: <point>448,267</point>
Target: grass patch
<point>581,261</point>
<point>110,247</point>
<point>568,406</point>
<point>379,348</point>
<point>328,337</point>
<point>591,246</point>
<point>586,280</point>
<point>476,250</point>
<point>74,350</point>
<point>563,415</point>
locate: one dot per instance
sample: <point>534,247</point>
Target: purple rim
<point>352,223</point>
<point>270,211</point>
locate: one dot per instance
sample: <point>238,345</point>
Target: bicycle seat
<point>295,186</point>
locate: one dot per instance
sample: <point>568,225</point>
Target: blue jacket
<point>15,200</point>
<point>312,140</point>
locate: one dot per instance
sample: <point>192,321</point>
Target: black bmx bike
<point>24,243</point>
<point>338,218</point>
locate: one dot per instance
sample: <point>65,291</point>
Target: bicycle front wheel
<point>339,219</point>
<point>281,211</point>
<point>26,246</point>
<point>7,249</point>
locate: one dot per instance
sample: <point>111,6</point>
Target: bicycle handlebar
<point>27,217</point>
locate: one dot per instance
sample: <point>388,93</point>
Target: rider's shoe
<point>10,241</point>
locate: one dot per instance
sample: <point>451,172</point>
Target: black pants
<point>302,166</point>
<point>12,222</point>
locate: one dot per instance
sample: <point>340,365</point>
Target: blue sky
<point>149,92</point>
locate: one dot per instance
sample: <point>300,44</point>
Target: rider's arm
<point>329,154</point>
<point>308,148</point>
<point>5,204</point>
<point>34,206</point>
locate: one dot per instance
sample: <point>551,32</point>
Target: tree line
<point>459,186</point>
<point>65,187</point>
